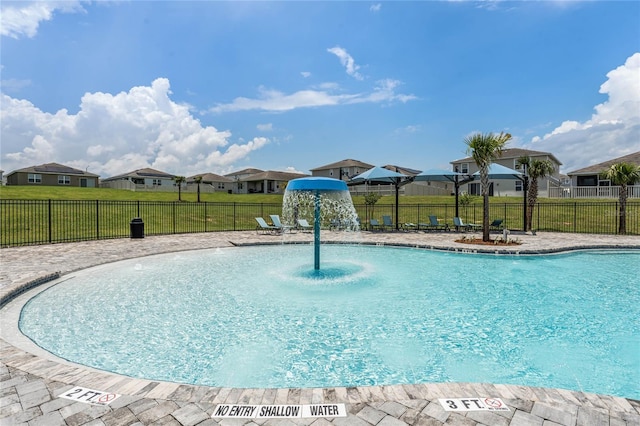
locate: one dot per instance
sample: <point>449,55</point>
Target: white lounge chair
<point>275,219</point>
<point>304,226</point>
<point>264,227</point>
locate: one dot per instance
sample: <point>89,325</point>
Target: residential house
<point>239,187</point>
<point>510,187</point>
<point>211,182</point>
<point>141,180</point>
<point>269,182</point>
<point>343,170</point>
<point>52,174</point>
<point>589,183</point>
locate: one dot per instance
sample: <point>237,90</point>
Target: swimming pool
<point>255,317</point>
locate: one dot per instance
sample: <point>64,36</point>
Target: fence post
<point>50,231</point>
<point>97,219</point>
<point>138,215</point>
<point>234,215</point>
<point>174,217</point>
<point>575,216</point>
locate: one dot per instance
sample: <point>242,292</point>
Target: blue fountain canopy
<point>316,184</point>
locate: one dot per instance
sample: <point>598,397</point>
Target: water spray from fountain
<point>325,200</point>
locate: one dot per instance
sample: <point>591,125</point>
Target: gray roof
<point>516,153</point>
<point>142,173</point>
<point>249,171</point>
<point>273,175</point>
<point>633,158</point>
<point>54,169</point>
<point>345,163</point>
<point>209,177</point>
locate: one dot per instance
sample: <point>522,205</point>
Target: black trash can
<point>137,228</point>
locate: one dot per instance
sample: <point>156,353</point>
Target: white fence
<point>593,192</point>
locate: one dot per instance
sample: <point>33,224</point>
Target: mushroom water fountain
<point>325,200</point>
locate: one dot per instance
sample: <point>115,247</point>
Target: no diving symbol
<point>493,403</point>
<point>105,399</point>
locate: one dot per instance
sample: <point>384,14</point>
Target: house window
<point>604,182</point>
<point>64,180</point>
<point>35,178</point>
<point>587,180</point>
<point>220,185</point>
<point>464,168</point>
<point>518,185</point>
<point>157,182</point>
<point>331,172</point>
<point>474,189</point>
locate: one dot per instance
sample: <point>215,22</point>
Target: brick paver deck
<point>32,380</point>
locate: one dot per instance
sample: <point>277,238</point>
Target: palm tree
<point>622,174</point>
<point>198,180</point>
<point>485,149</point>
<point>535,169</point>
<point>179,181</point>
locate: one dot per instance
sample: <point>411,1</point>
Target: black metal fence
<point>29,222</point>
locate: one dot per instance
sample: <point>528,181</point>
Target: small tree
<point>536,169</point>
<point>370,199</point>
<point>622,174</point>
<point>179,181</point>
<point>485,149</point>
<point>198,181</point>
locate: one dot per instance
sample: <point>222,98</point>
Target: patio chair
<point>304,226</point>
<point>387,222</point>
<point>375,225</point>
<point>496,225</point>
<point>460,225</point>
<point>435,225</point>
<point>275,219</point>
<point>264,227</point>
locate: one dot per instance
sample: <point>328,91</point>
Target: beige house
<point>211,182</point>
<point>141,180</point>
<point>53,174</point>
<point>343,170</point>
<point>269,182</point>
<point>508,187</point>
<point>588,182</point>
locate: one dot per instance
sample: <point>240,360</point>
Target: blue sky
<point>191,87</point>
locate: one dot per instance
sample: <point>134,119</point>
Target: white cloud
<point>347,61</point>
<point>612,131</point>
<point>276,101</point>
<point>305,74</point>
<point>114,134</point>
<point>375,7</point>
<point>267,127</point>
<point>14,85</point>
<point>23,18</point>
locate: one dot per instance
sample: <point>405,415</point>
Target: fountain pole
<point>316,232</point>
<point>317,186</point>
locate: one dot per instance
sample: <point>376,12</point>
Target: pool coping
<point>69,374</point>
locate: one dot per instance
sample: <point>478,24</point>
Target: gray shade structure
<point>382,175</point>
<point>442,175</point>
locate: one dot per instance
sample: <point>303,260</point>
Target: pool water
<point>261,317</point>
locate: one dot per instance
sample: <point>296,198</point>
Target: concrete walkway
<point>31,380</point>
